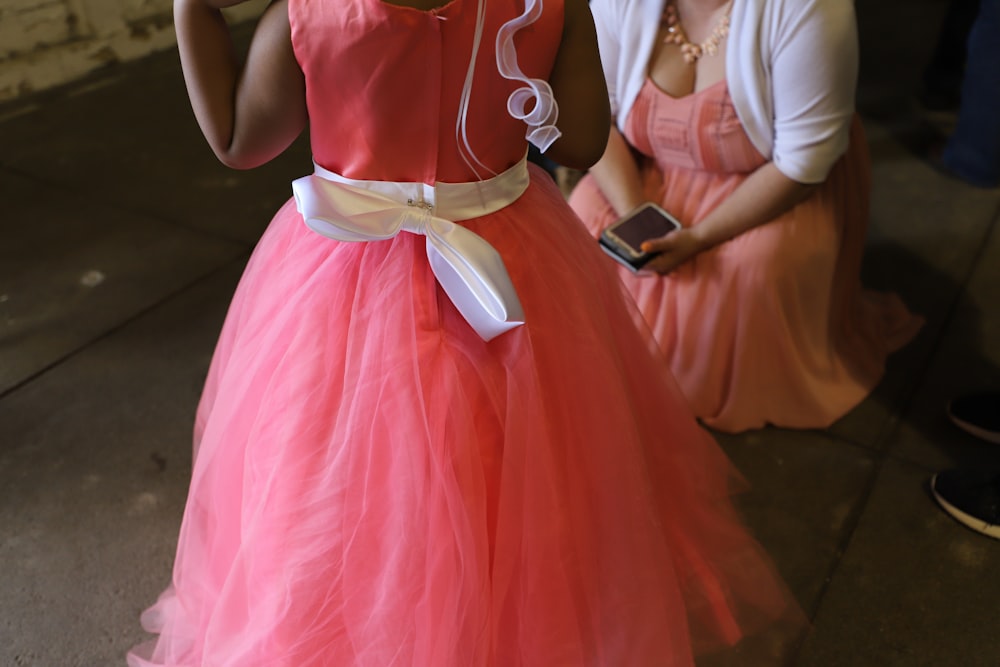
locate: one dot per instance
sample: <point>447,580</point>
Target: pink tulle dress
<point>375,484</point>
<point>771,327</point>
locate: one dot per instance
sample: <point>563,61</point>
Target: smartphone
<point>623,239</point>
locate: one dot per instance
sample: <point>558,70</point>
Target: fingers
<point>654,245</point>
<point>660,244</point>
<point>663,248</point>
<point>661,264</point>
<point>670,239</point>
<point>223,4</point>
<point>671,251</point>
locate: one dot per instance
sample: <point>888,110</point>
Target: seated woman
<point>738,117</point>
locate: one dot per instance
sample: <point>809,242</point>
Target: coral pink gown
<point>374,484</point>
<point>771,327</point>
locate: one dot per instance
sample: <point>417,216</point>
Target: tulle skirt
<point>375,485</point>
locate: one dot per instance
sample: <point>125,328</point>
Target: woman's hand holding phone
<point>672,250</point>
<point>632,240</point>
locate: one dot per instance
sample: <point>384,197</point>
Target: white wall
<point>44,43</point>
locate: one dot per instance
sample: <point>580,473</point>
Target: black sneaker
<point>972,497</point>
<point>978,414</point>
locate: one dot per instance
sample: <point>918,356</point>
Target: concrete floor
<point>121,240</point>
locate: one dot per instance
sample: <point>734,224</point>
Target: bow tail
<point>474,277</point>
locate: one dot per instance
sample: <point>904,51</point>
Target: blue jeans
<point>973,150</point>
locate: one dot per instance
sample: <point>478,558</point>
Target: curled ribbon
<point>467,267</point>
<point>541,120</point>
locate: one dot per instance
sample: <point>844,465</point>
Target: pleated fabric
<point>772,326</point>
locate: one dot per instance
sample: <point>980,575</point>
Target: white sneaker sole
<point>967,520</point>
<point>981,433</point>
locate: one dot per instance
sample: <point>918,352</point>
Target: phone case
<point>622,239</point>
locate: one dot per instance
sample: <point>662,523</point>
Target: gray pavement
<point>121,240</point>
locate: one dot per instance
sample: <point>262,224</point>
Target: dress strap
<point>468,268</point>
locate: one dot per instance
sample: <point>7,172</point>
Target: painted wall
<point>45,43</point>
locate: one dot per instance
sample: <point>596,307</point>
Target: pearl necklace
<point>676,35</point>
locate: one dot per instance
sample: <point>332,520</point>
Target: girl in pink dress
<point>431,435</point>
<point>737,116</point>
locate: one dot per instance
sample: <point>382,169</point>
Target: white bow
<point>469,269</point>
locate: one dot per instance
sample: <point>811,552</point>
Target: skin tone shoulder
<point>250,112</point>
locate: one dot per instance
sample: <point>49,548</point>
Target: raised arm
<point>578,85</point>
<point>248,114</point>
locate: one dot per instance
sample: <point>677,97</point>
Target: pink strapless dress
<point>772,326</point>
<point>374,484</point>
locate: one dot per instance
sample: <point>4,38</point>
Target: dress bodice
<point>384,84</point>
<point>700,131</point>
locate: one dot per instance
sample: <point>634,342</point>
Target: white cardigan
<point>791,69</point>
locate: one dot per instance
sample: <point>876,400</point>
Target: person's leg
<point>973,151</point>
<point>971,495</point>
<point>942,79</point>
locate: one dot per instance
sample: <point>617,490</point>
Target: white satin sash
<point>469,269</point>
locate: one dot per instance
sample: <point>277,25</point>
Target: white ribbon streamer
<point>541,120</point>
<point>468,268</point>
<point>461,125</point>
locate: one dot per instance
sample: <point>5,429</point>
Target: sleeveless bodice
<point>407,70</point>
<point>700,131</point>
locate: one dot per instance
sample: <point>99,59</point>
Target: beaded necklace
<point>676,35</point>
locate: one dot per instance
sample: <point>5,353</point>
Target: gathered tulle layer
<point>375,485</point>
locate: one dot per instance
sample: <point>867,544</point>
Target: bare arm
<point>814,71</point>
<point>763,196</point>
<point>577,82</point>
<point>251,114</point>
<point>617,175</point>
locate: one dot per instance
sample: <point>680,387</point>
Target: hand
<point>675,248</point>
<point>221,4</point>
<point>224,4</point>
